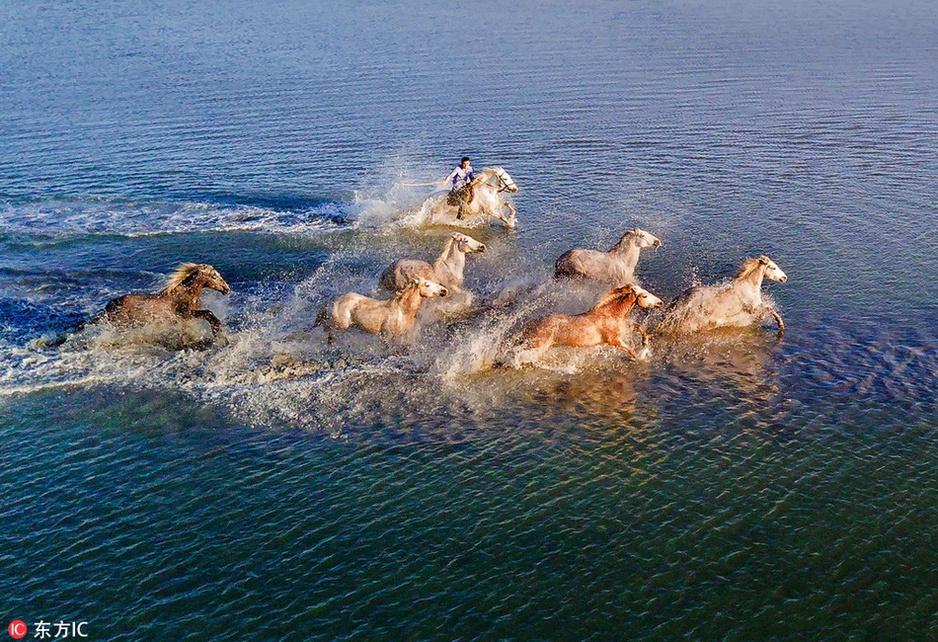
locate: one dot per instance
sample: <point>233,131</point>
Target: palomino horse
<point>392,317</point>
<point>446,270</point>
<point>607,322</point>
<point>735,304</point>
<point>617,266</point>
<point>486,201</point>
<point>179,300</point>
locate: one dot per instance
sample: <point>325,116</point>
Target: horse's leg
<point>407,336</point>
<point>495,214</point>
<point>62,337</point>
<point>512,221</point>
<point>494,209</point>
<point>638,328</point>
<point>622,345</point>
<point>645,352</point>
<point>210,317</point>
<point>215,324</point>
<point>778,320</point>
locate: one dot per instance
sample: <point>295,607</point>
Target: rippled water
<point>733,486</point>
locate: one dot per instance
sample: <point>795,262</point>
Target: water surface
<point>733,486</point>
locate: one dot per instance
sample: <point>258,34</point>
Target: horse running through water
<point>616,266</point>
<point>178,301</point>
<point>392,317</point>
<point>737,304</point>
<point>448,269</point>
<point>487,201</point>
<point>606,323</point>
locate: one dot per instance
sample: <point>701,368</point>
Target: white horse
<point>735,304</point>
<point>617,266</point>
<point>448,269</point>
<point>392,317</point>
<point>487,201</point>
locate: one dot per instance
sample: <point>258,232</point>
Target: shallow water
<point>732,486</point>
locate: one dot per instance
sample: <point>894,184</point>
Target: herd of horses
<point>415,285</point>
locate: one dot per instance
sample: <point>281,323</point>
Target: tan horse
<point>617,266</point>
<point>606,323</point>
<point>737,303</point>
<point>486,201</point>
<point>448,269</point>
<point>179,300</point>
<point>392,317</point>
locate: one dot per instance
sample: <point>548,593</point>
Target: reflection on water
<point>744,359</point>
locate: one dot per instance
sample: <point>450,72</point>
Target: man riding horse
<point>461,187</point>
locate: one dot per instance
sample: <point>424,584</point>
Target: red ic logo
<point>17,629</point>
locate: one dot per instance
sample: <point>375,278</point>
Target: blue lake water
<point>731,487</point>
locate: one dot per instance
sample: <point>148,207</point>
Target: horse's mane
<point>181,275</point>
<point>411,285</point>
<point>625,237</point>
<point>615,296</point>
<point>750,265</point>
<point>447,246</point>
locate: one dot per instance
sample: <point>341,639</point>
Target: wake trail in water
<point>141,219</point>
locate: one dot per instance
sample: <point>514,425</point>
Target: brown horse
<point>177,301</point>
<point>607,322</point>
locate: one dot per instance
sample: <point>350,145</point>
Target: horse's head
<point>190,275</point>
<point>641,238</point>
<point>772,271</point>
<point>646,299</point>
<point>505,182</point>
<point>212,279</point>
<point>427,288</point>
<point>466,244</point>
<point>628,292</point>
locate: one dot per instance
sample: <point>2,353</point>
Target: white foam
<point>134,219</point>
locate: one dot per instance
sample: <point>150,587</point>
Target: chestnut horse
<point>607,322</point>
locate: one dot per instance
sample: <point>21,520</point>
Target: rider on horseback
<point>461,187</point>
